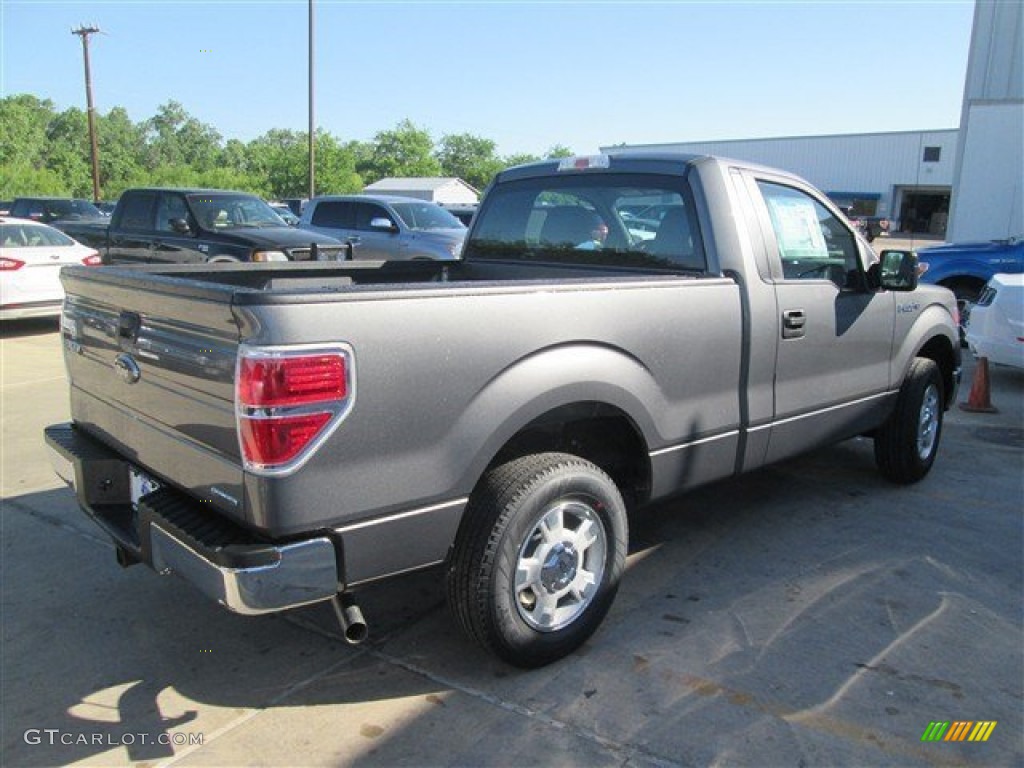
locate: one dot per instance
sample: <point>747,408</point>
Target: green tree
<point>122,150</point>
<point>470,158</point>
<point>336,165</point>
<point>559,150</point>
<point>235,156</point>
<point>67,151</point>
<point>520,159</point>
<point>280,159</point>
<point>23,121</point>
<point>403,151</point>
<point>174,137</point>
<point>20,179</point>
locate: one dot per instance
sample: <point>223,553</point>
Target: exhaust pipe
<point>353,625</point>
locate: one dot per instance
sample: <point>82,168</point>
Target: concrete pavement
<point>808,614</point>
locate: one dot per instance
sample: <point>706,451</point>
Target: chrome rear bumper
<point>173,533</point>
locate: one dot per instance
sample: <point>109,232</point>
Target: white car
<point>995,328</point>
<point>31,257</point>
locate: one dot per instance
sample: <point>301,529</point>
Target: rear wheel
<point>906,445</point>
<point>538,560</point>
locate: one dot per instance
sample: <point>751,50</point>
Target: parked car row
<point>197,225</point>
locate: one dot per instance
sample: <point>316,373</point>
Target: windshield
<point>233,211</point>
<point>73,209</point>
<point>426,216</point>
<point>626,220</point>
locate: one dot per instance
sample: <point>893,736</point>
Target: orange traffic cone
<point>979,401</point>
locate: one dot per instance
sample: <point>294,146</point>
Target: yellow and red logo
<point>959,730</point>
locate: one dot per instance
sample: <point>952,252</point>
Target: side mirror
<point>895,271</point>
<point>181,226</point>
<point>383,224</point>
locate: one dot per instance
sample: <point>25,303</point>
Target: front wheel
<point>538,560</point>
<point>906,445</point>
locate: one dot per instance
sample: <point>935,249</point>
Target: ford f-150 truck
<point>284,434</point>
<point>182,226</point>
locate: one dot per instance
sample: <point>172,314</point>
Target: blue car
<point>964,268</point>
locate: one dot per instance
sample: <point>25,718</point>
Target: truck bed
<point>272,282</point>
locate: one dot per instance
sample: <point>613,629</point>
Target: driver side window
<point>170,207</point>
<point>367,212</point>
<point>813,244</point>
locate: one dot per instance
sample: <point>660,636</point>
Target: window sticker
<point>796,228</point>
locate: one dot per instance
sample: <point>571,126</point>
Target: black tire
<point>906,445</point>
<point>564,601</point>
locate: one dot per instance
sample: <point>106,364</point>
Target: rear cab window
<point>610,219</point>
<point>137,212</point>
<point>340,214</point>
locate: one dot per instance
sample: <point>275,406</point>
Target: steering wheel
<point>821,269</point>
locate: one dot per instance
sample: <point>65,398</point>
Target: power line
<point>84,32</point>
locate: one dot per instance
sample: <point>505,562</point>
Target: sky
<point>527,75</point>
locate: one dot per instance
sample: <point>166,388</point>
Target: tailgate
<point>151,363</point>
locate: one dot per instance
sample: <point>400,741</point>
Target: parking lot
<point>807,614</point>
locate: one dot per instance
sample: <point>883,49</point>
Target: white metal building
<point>960,184</point>
<point>906,177</point>
<point>443,191</point>
<point>988,202</point>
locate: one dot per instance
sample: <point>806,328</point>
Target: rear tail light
<point>92,260</point>
<point>9,265</point>
<point>288,401</point>
<point>988,295</point>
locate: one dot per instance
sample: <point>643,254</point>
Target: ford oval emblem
<point>127,369</point>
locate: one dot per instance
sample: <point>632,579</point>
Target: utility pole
<point>84,32</point>
<point>312,119</point>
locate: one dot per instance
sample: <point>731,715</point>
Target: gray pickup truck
<point>283,434</point>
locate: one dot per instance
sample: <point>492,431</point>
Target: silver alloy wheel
<point>560,566</point>
<point>928,422</point>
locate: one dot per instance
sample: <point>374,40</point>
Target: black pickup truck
<point>188,226</point>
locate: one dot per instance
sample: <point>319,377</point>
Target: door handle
<point>793,322</point>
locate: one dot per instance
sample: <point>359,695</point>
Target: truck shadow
<point>767,610</point>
